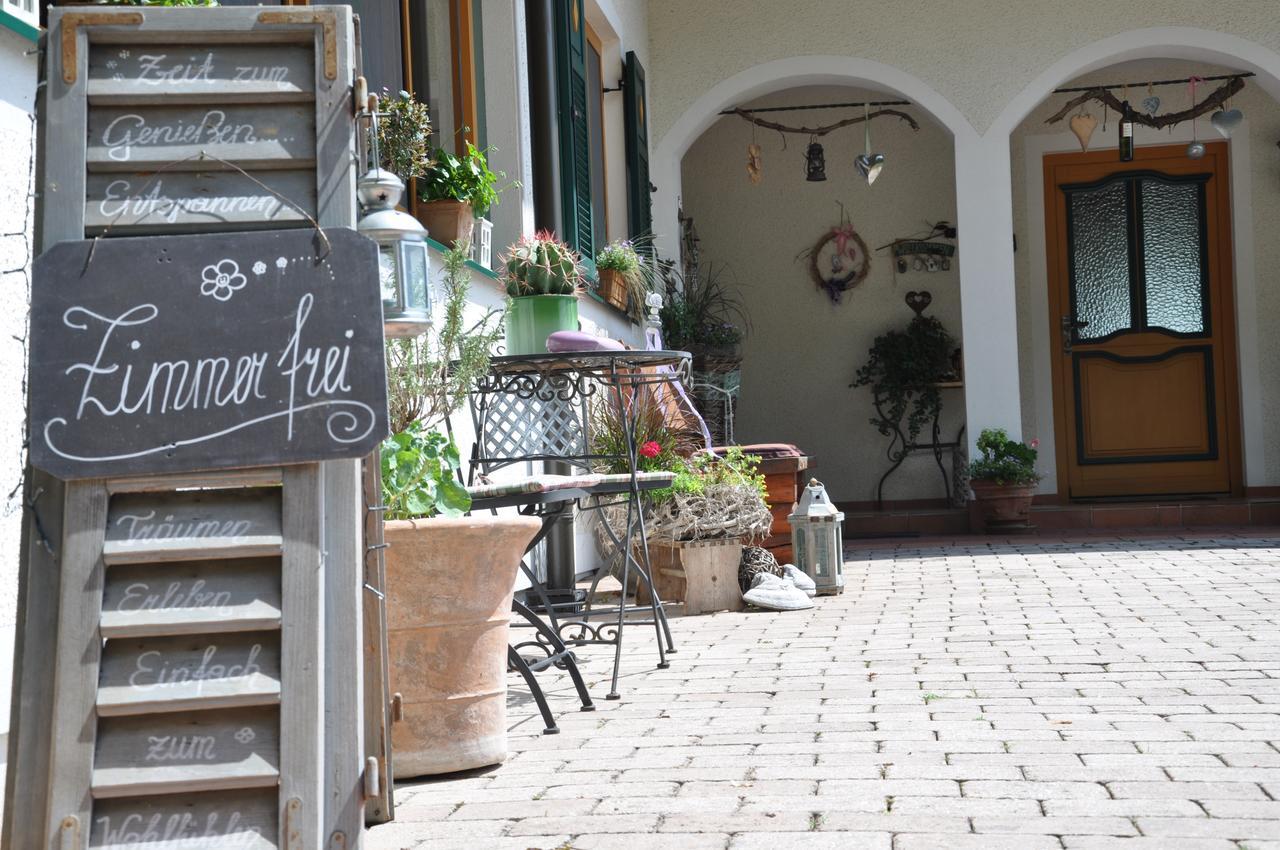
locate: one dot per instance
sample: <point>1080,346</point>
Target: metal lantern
<point>403,262</point>
<point>815,164</point>
<point>817,540</point>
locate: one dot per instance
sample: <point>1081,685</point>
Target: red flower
<point>651,449</point>
<point>1035,444</point>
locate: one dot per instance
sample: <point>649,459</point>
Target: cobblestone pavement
<point>1069,694</point>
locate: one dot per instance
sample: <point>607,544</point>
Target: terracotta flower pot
<point>446,221</point>
<point>449,586</point>
<point>612,288</point>
<point>1003,507</point>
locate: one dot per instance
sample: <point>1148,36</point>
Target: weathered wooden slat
<point>265,476</point>
<point>177,202</point>
<point>148,675</point>
<point>302,644</point>
<point>133,139</point>
<point>243,820</point>
<point>77,654</point>
<point>194,751</point>
<point>195,524</point>
<point>377,693</point>
<point>193,73</point>
<point>192,598</point>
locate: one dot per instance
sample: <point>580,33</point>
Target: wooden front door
<point>1143,330</point>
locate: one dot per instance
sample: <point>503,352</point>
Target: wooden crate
<point>701,574</point>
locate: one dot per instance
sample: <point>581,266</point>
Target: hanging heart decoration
<point>1225,121</point>
<point>919,301</point>
<point>1151,104</point>
<point>1083,126</point>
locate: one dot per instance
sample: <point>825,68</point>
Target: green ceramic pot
<point>532,318</point>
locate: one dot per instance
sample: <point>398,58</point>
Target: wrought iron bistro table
<point>540,408</point>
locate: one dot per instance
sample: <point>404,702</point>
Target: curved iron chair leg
<point>517,661</point>
<point>568,662</point>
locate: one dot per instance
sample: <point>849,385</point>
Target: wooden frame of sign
<point>184,639</point>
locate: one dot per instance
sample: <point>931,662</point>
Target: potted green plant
<point>703,316</point>
<point>1004,480</point>
<point>404,134</point>
<point>454,191</point>
<point>625,278</point>
<point>450,576</point>
<point>903,370</point>
<point>543,277</point>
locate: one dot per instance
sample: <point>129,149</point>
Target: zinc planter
<point>449,587</point>
<point>1004,507</point>
<point>532,318</point>
<point>446,221</point>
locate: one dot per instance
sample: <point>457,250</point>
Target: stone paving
<point>1065,694</point>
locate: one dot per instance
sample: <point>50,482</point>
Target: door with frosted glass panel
<point>1139,263</point>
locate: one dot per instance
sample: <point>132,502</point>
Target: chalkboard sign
<point>224,350</point>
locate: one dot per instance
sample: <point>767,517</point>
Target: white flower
<point>282,263</point>
<point>123,54</point>
<point>118,77</point>
<point>111,63</point>
<point>222,280</point>
<point>259,267</point>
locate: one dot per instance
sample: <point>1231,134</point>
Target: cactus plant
<point>542,265</point>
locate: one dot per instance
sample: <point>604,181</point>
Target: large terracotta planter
<point>1003,507</point>
<point>446,221</point>
<point>449,586</point>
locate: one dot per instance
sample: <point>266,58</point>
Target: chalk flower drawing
<point>123,54</point>
<point>245,735</point>
<point>282,263</point>
<point>259,268</point>
<point>222,279</point>
<point>111,63</point>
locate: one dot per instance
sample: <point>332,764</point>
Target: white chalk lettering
<point>132,130</point>
<point>184,748</point>
<point>178,831</point>
<point>151,670</point>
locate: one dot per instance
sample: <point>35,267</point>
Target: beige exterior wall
<point>978,54</point>
<point>803,350</point>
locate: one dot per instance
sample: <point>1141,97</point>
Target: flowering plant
<point>619,256</point>
<point>651,449</point>
<point>1003,460</point>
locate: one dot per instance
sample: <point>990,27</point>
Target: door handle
<point>1070,325</point>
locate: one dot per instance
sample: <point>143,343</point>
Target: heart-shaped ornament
<point>1151,104</point>
<point>919,301</point>
<point>1225,121</point>
<point>1083,126</point>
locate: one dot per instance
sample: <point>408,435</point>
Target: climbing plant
<point>903,369</point>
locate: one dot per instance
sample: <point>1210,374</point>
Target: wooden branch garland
<point>747,115</point>
<point>1104,96</point>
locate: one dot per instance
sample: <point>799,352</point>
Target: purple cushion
<point>562,341</point>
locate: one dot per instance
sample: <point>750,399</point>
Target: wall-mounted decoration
<point>1232,85</point>
<point>1225,121</point>
<point>867,164</point>
<point>919,301</point>
<point>922,252</point>
<point>1083,126</point>
<point>838,261</point>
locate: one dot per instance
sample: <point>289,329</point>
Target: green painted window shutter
<point>636,116</point>
<point>575,133</point>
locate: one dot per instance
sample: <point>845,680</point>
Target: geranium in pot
<point>626,277</point>
<point>450,576</point>
<point>1004,480</point>
<point>454,191</point>
<point>543,277</point>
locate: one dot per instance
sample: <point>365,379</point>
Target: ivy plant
<point>903,369</point>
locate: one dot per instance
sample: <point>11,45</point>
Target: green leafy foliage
<point>462,178</point>
<point>419,475</point>
<point>1003,460</point>
<point>404,131</point>
<point>902,369</point>
<point>542,265</point>
<point>618,256</point>
<point>701,311</point>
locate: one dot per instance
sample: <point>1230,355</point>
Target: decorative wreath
<point>849,262</point>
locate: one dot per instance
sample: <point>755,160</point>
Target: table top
<point>587,361</point>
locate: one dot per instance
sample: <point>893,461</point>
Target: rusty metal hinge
<point>71,23</point>
<point>328,21</point>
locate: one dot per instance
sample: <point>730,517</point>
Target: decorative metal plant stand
<point>538,408</point>
<point>900,448</point>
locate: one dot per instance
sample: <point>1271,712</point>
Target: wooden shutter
<point>575,130</point>
<point>636,117</point>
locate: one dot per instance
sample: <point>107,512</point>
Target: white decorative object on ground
<point>776,594</point>
<point>796,576</point>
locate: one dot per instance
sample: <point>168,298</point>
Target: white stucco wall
<point>17,139</point>
<point>803,351</point>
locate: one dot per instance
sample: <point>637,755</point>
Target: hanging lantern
<point>817,540</point>
<point>815,163</point>
<point>403,262</point>
<point>869,164</point>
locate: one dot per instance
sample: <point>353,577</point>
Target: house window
<point>445,68</point>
